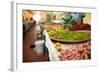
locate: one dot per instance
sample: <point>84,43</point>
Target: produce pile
<point>68,35</point>
<point>80,26</point>
<point>51,26</point>
<point>76,52</point>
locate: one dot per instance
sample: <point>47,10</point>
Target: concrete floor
<point>29,54</point>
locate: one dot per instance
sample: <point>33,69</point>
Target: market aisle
<point>28,53</point>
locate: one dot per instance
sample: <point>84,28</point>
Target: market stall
<point>68,50</point>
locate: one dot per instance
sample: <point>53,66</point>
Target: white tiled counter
<point>53,54</point>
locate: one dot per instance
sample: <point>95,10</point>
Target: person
<point>79,16</point>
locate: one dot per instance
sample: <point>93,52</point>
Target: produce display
<point>76,52</point>
<point>80,26</point>
<point>56,35</point>
<point>68,36</point>
<point>52,26</point>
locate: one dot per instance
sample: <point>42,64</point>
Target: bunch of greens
<point>68,20</point>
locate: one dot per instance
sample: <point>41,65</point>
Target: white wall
<point>5,35</point>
